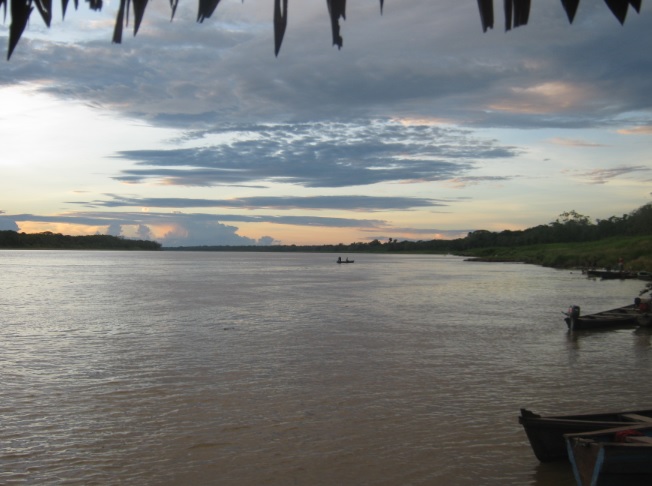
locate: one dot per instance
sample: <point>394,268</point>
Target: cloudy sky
<point>420,127</point>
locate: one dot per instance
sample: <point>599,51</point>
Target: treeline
<point>55,241</point>
<point>569,227</point>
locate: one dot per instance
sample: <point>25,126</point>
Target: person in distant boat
<point>347,259</point>
<point>339,259</point>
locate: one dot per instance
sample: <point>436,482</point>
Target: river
<point>174,368</point>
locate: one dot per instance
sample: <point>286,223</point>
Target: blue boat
<point>612,457</point>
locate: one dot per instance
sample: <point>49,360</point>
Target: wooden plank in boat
<point>639,439</point>
<point>637,417</point>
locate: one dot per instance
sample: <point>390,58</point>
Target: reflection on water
<point>642,338</point>
<point>203,368</point>
<point>552,474</point>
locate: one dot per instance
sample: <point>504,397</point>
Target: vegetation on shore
<point>571,241</point>
<point>55,241</point>
<point>635,252</point>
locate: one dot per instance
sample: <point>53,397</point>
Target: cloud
<point>544,99</point>
<point>430,60</point>
<point>349,203</point>
<point>123,218</point>
<point>318,155</point>
<point>602,176</point>
<point>640,130</point>
<point>462,182</point>
<point>144,232</point>
<point>197,233</point>
<point>267,241</point>
<point>569,142</point>
<point>114,229</point>
<point>7,224</point>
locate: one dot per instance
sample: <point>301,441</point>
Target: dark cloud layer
<point>156,218</point>
<point>320,155</point>
<point>350,203</point>
<point>431,59</point>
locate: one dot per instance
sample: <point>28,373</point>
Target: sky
<point>421,126</point>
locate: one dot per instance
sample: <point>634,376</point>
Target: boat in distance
<point>546,433</point>
<point>612,457</point>
<point>629,315</point>
<point>339,260</point>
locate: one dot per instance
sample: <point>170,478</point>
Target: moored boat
<point>644,275</point>
<point>611,275</point>
<point>546,433</point>
<point>625,316</point>
<point>612,457</point>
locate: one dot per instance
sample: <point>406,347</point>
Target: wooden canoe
<point>625,316</point>
<point>546,433</point>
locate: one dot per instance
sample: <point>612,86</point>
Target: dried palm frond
<point>517,13</point>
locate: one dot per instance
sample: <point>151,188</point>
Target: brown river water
<point>175,368</point>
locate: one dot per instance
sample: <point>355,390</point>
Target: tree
<point>571,226</point>
<point>517,13</point>
<point>639,221</point>
<point>573,217</point>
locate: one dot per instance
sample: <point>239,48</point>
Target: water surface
<point>174,368</point>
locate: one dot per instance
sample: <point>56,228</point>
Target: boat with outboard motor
<point>635,314</point>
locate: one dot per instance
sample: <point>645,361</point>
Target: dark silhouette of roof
<point>516,12</point>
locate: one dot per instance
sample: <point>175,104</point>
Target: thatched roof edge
<point>517,13</point>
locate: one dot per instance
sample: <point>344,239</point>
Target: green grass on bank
<point>636,252</point>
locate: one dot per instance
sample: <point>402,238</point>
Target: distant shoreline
<point>12,240</point>
<point>634,251</point>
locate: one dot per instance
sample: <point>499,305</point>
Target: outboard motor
<point>573,311</point>
<point>642,305</point>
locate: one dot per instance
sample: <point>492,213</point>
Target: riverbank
<point>635,252</point>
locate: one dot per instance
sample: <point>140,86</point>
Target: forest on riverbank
<point>571,241</point>
<point>56,241</point>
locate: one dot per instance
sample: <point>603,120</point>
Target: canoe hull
<point>627,316</point>
<point>546,434</point>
